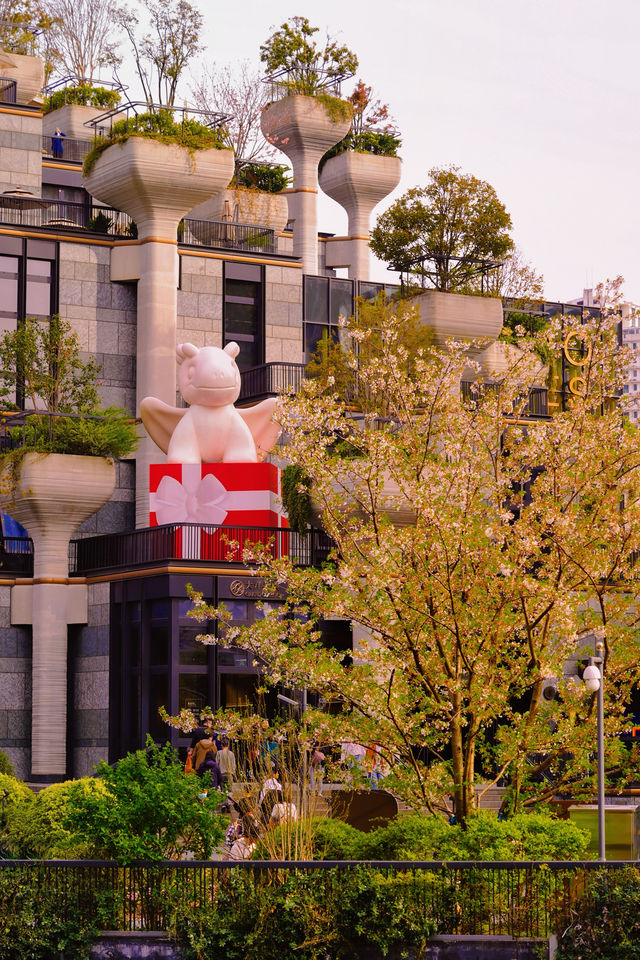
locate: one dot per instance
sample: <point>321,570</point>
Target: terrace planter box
<point>70,119</point>
<point>54,494</point>
<point>28,72</point>
<point>460,317</point>
<point>359,181</point>
<point>157,183</point>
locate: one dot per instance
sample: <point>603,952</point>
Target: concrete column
<point>358,182</point>
<point>56,494</point>
<point>302,128</point>
<point>156,184</point>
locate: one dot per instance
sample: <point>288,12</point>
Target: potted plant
<point>70,108</point>
<point>57,464</point>
<point>306,118</point>
<point>157,169</point>
<point>359,171</point>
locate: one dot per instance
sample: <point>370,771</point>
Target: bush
<point>6,766</point>
<point>37,829</point>
<point>263,176</point>
<point>101,223</point>
<point>83,95</point>
<point>158,126</point>
<point>415,837</point>
<point>107,433</point>
<point>379,143</point>
<point>38,922</point>
<point>146,808</point>
<point>304,915</point>
<point>606,923</point>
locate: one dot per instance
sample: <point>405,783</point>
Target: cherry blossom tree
<point>479,554</point>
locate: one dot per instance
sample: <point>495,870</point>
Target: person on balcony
<point>57,147</point>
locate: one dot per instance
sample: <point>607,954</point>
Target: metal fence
<point>269,379</point>
<point>66,148</point>
<point>525,899</point>
<point>249,237</point>
<point>537,401</point>
<point>194,541</point>
<point>41,212</point>
<point>16,556</point>
<point>8,90</point>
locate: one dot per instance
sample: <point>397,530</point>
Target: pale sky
<point>536,97</point>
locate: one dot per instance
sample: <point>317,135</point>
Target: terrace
<point>19,208</point>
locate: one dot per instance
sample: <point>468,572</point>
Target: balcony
<point>269,379</point>
<point>189,543</point>
<point>32,211</point>
<point>228,235</point>
<point>73,151</point>
<point>536,408</point>
<point>8,90</point>
<point>16,556</point>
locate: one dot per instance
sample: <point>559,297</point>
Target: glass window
<point>316,299</point>
<point>159,609</point>
<point>341,300</point>
<point>9,287</point>
<point>237,608</point>
<point>247,289</point>
<point>38,303</point>
<point>233,657</point>
<point>243,315</point>
<point>193,691</point>
<point>190,651</point>
<point>159,646</point>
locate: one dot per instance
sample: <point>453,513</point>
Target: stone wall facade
<point>283,314</point>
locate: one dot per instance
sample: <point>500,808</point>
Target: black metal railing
<point>269,379</point>
<point>41,212</point>
<point>515,899</point>
<point>66,148</point>
<point>178,542</point>
<point>16,556</point>
<point>8,90</point>
<point>228,234</point>
<point>537,401</point>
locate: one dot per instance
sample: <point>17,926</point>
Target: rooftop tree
<point>508,573</point>
<point>162,53</point>
<point>294,49</point>
<point>81,36</point>
<point>455,222</point>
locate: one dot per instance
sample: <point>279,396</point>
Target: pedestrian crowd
<point>209,753</point>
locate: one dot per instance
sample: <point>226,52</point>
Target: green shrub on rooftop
<point>83,95</point>
<point>160,126</point>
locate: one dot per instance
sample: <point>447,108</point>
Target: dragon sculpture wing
<point>264,430</point>
<point>160,420</point>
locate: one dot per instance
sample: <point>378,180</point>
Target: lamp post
<point>593,679</point>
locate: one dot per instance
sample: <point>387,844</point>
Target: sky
<point>538,98</point>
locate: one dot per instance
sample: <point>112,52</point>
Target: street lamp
<point>593,679</point>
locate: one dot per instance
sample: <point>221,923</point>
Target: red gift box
<point>220,495</point>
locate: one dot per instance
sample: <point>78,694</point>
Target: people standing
<point>227,762</point>
<point>57,147</point>
<point>209,765</point>
<point>204,746</point>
